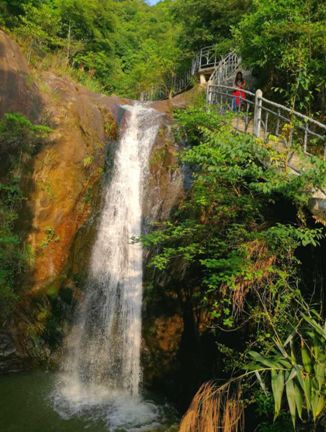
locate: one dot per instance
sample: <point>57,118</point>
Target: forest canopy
<point>127,46</point>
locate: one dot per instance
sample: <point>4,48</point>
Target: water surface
<point>27,405</point>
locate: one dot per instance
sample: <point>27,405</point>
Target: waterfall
<point>103,349</point>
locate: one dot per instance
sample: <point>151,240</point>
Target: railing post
<point>193,65</point>
<point>209,96</point>
<point>258,112</point>
<point>202,79</point>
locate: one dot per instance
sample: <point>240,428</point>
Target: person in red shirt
<point>238,95</point>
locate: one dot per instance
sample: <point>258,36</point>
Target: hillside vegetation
<point>126,46</point>
<point>241,259</point>
<point>236,247</point>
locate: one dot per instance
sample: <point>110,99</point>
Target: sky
<point>152,2</point>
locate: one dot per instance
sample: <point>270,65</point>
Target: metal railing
<point>172,87</point>
<point>255,114</point>
<point>208,58</point>
<point>264,118</point>
<point>154,93</point>
<point>205,59</point>
<point>225,69</point>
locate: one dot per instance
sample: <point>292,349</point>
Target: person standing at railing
<point>238,95</point>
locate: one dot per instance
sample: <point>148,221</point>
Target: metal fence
<point>205,59</point>
<point>254,113</point>
<point>263,118</point>
<point>208,58</point>
<point>172,87</point>
<point>226,69</point>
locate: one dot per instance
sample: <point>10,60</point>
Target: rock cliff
<point>64,198</point>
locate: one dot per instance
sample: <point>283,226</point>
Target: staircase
<point>206,64</point>
<point>225,70</point>
<point>256,115</point>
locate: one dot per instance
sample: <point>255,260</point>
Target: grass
<point>57,63</point>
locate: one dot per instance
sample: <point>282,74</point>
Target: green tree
<point>285,42</point>
<point>227,249</point>
<point>11,9</point>
<point>39,28</point>
<point>126,46</point>
<point>147,47</point>
<point>224,234</point>
<point>207,23</point>
<point>94,23</point>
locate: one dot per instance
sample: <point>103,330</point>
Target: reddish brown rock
<point>66,172</point>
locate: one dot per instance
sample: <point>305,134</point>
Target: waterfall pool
<point>99,387</point>
<point>27,405</point>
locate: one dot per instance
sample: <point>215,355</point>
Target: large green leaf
<point>317,403</point>
<point>292,375</point>
<point>317,327</point>
<point>261,382</point>
<point>306,359</point>
<point>291,398</point>
<point>320,373</point>
<point>277,381</point>
<point>307,391</point>
<point>265,361</point>
<point>298,399</point>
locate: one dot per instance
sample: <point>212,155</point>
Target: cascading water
<point>103,350</point>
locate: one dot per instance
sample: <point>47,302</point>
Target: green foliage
<point>193,123</point>
<point>11,9</point>
<point>39,27</point>
<point>147,46</point>
<point>17,133</point>
<point>297,370</point>
<point>208,23</point>
<point>222,232</point>
<point>19,138</point>
<point>226,246</point>
<point>264,405</point>
<point>125,46</point>
<point>285,41</point>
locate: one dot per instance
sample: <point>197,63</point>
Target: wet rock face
<point>164,183</point>
<point>162,337</point>
<point>162,318</point>
<point>67,174</point>
<point>10,358</point>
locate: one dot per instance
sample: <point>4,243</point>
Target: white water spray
<point>103,359</point>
